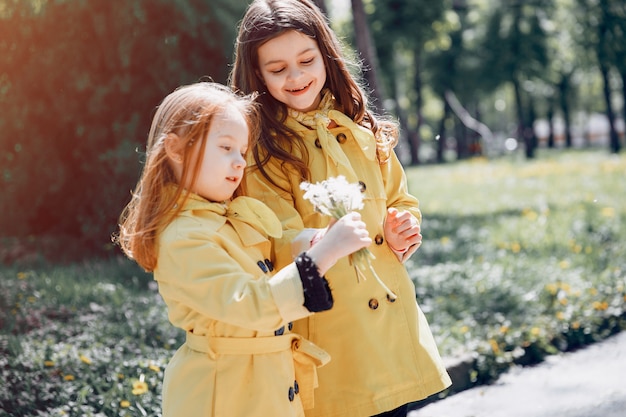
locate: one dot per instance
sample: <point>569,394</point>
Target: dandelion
<point>560,316</point>
<point>154,368</point>
<point>124,403</point>
<point>21,275</point>
<point>140,386</point>
<point>494,346</point>
<point>535,331</point>
<point>576,325</point>
<point>336,197</point>
<point>48,364</point>
<point>69,377</point>
<point>85,359</point>
<point>516,247</point>
<point>608,212</point>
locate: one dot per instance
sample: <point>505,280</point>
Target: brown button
<point>341,138</point>
<point>362,186</point>
<point>373,304</point>
<point>391,300</point>
<point>318,144</point>
<point>379,239</point>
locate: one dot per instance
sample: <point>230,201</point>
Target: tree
<point>78,83</point>
<point>401,29</point>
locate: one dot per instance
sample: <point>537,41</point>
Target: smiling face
<point>223,162</point>
<point>292,68</point>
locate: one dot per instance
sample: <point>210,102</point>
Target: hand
<point>343,237</point>
<point>402,231</point>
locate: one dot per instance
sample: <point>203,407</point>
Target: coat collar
<point>252,220</point>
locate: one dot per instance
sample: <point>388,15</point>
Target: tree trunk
<point>419,102</point>
<point>522,129</point>
<point>550,117</point>
<point>441,134</point>
<point>564,86</point>
<point>614,144</point>
<point>365,46</point>
<point>603,62</point>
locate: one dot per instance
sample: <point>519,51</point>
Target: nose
<point>294,73</point>
<point>240,162</point>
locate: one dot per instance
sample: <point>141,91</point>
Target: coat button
<point>290,326</point>
<point>262,265</point>
<point>318,145</point>
<point>341,138</point>
<point>391,300</point>
<point>379,239</point>
<point>373,304</point>
<point>362,186</point>
<point>280,331</point>
<point>269,265</point>
<point>296,387</point>
<point>291,394</point>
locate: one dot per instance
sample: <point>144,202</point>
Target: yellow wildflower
<point>154,367</point>
<point>124,403</point>
<point>494,346</point>
<point>576,325</point>
<point>504,329</point>
<point>85,359</point>
<point>600,306</point>
<point>516,247</point>
<point>69,377</point>
<point>21,275</point>
<point>140,387</point>
<point>535,331</point>
<point>48,364</point>
<point>560,315</point>
<point>608,212</point>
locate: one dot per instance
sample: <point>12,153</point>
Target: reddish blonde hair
<point>188,113</point>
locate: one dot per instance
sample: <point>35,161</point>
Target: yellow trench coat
<point>240,357</point>
<point>383,353</point>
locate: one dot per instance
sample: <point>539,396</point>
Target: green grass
<point>520,260</point>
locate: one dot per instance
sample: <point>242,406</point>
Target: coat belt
<point>307,356</point>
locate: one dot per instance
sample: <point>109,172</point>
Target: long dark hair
<point>265,20</point>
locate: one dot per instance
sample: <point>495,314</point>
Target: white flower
<point>336,197</point>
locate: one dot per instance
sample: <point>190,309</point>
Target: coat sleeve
<point>199,279</point>
<point>396,188</point>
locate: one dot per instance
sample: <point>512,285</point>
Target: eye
<point>308,61</point>
<point>277,71</point>
<point>226,147</point>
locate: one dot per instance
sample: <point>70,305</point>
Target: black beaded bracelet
<point>317,294</point>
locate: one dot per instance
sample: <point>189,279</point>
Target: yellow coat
<point>240,357</point>
<point>383,353</point>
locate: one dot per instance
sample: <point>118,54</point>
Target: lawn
<point>520,260</point>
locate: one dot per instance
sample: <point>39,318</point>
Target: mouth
<point>300,90</point>
<point>232,179</point>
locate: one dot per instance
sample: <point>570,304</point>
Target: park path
<point>590,382</point>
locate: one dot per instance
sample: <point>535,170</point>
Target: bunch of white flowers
<point>336,197</point>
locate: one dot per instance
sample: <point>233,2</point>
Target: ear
<point>174,148</point>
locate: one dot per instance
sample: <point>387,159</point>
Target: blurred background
<point>79,82</point>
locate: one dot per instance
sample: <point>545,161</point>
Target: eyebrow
<point>277,61</point>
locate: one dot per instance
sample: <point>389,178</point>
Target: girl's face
<point>223,161</point>
<point>293,71</point>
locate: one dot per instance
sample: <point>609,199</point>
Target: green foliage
<point>79,81</point>
<point>90,339</point>
<point>521,260</point>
